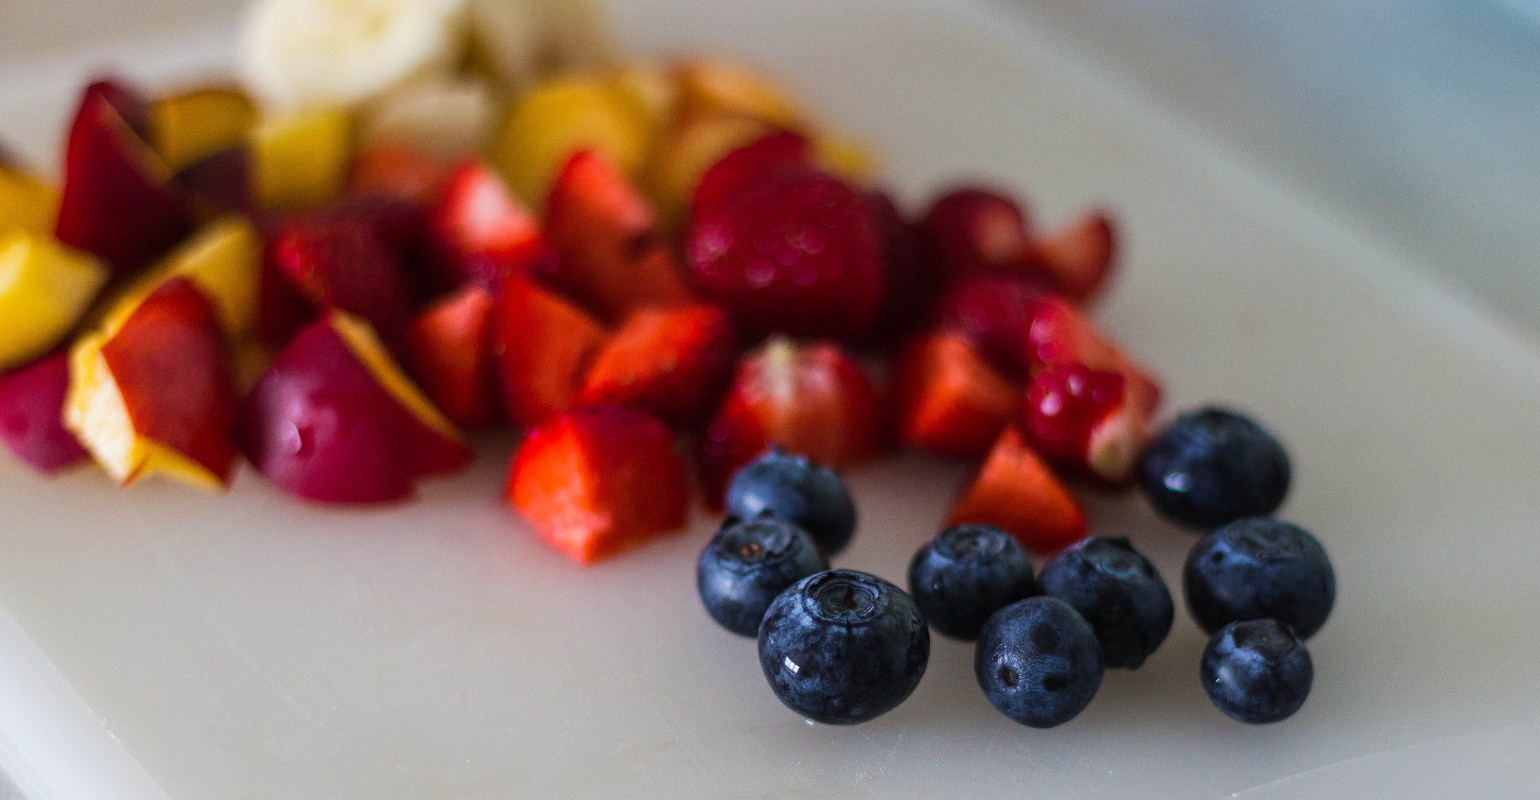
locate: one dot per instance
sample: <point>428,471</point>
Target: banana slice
<point>519,42</point>
<point>300,53</point>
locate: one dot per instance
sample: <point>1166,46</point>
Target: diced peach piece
<point>224,261</point>
<point>191,126</point>
<point>544,129</point>
<point>45,288</point>
<point>302,158</point>
<point>26,202</point>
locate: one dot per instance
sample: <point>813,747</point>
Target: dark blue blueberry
<point>965,574</point>
<point>1213,466</point>
<point>843,647</point>
<point>797,489</point>
<point>747,564</point>
<point>1260,567</point>
<point>1038,662</point>
<point>1256,671</point>
<point>1118,592</point>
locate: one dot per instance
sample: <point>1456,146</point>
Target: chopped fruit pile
<point>444,216</point>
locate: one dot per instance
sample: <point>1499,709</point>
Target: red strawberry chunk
<point>949,402</point>
<point>809,399</point>
<point>1080,418</point>
<point>1078,257</point>
<point>992,312</point>
<point>480,233</point>
<point>1016,491</point>
<point>400,172</point>
<point>909,282</point>
<point>610,255</point>
<point>1059,334</point>
<point>973,229</point>
<point>596,481</point>
<point>747,168</point>
<point>450,344</point>
<point>799,256</point>
<point>671,363</point>
<point>544,345</point>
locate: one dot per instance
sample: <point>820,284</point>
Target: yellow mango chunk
<point>542,131</point>
<point>45,288</point>
<point>688,151</point>
<point>846,156</point>
<point>191,126</point>
<point>26,203</point>
<point>720,88</point>
<point>301,159</point>
<point>224,260</point>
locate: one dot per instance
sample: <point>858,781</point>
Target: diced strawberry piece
<point>282,312</point>
<point>1059,334</point>
<point>1015,491</point>
<point>611,257</point>
<point>800,256</point>
<point>949,402</point>
<point>1080,418</point>
<point>450,344</point>
<point>31,414</point>
<point>810,399</point>
<point>596,481</point>
<point>1078,257</point>
<point>908,282</point>
<point>748,167</point>
<point>671,363</point>
<point>481,234</point>
<point>544,346</point>
<point>992,312</point>
<point>398,171</point>
<point>973,229</point>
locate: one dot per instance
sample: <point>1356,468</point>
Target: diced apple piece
<point>545,128</point>
<point>450,344</point>
<point>334,420</point>
<point>32,414</point>
<point>45,288</point>
<point>302,158</point>
<point>26,202</point>
<point>156,393</point>
<point>224,261</point>
<point>191,126</point>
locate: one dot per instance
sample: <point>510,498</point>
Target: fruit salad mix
<point>411,225</point>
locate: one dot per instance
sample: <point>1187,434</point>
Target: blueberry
<point>747,564</point>
<point>1256,671</point>
<point>1260,567</point>
<point>797,489</point>
<point>1118,592</point>
<point>1213,466</point>
<point>1038,662</point>
<point>965,574</point>
<point>843,647</point>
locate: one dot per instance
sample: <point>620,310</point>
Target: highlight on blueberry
<point>1213,466</point>
<point>965,574</point>
<point>799,490</point>
<point>1118,592</point>
<point>1038,662</point>
<point>1256,671</point>
<point>747,563</point>
<point>843,647</point>
<point>1260,567</point>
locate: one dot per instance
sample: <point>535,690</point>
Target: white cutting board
<point>161,643</point>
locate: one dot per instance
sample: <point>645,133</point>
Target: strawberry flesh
<point>747,168</point>
<point>949,402</point>
<point>450,344</point>
<point>670,363</point>
<point>544,345</point>
<point>1016,491</point>
<point>973,229</point>
<point>398,172</point>
<point>480,233</point>
<point>1060,334</point>
<point>992,312</point>
<point>909,283</point>
<point>1078,257</point>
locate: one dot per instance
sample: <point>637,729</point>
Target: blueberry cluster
<point>840,646</point>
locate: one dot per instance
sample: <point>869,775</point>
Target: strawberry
<point>949,402</point>
<point>1015,491</point>
<point>992,313</point>
<point>282,312</point>
<point>972,229</point>
<point>398,171</point>
<point>544,345</point>
<point>598,480</point>
<point>671,363</point>
<point>908,282</point>
<point>1081,418</point>
<point>611,257</point>
<point>1059,334</point>
<point>747,167</point>
<point>450,345</point>
<point>809,399</point>
<point>800,256</point>
<point>480,233</point>
<point>1078,257</point>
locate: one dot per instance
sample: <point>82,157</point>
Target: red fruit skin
<point>611,257</point>
<point>974,229</point>
<point>282,312</point>
<point>596,481</point>
<point>1015,491</point>
<point>219,184</point>
<point>1077,258</point>
<point>1060,334</point>
<point>31,414</point>
<point>909,283</point>
<point>992,312</point>
<point>949,402</point>
<point>745,169</point>
<point>480,234</point>
<point>670,363</point>
<point>118,200</point>
<point>800,256</point>
<point>173,368</point>
<point>810,399</point>
<point>398,172</point>
<point>544,345</point>
<point>450,344</point>
<point>320,426</point>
